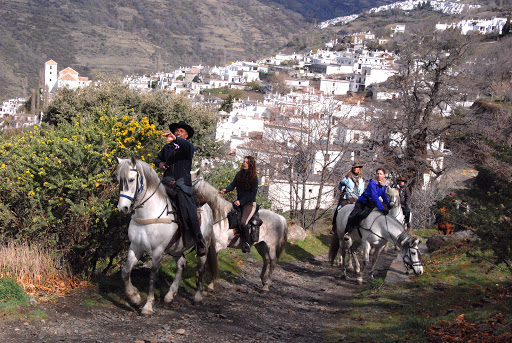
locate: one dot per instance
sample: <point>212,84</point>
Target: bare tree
<point>302,151</point>
<point>410,129</point>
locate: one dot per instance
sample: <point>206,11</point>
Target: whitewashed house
<point>334,87</point>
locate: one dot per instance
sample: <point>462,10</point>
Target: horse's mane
<point>219,205</point>
<point>152,179</point>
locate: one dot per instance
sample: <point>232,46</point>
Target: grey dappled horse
<point>395,210</point>
<point>273,231</point>
<point>376,230</point>
<point>154,229</point>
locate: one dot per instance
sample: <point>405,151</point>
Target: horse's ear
<point>133,160</point>
<point>195,173</point>
<point>118,160</point>
<point>416,242</point>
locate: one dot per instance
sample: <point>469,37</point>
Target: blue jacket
<point>371,195</point>
<point>352,191</point>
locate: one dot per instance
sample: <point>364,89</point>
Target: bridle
<point>138,189</point>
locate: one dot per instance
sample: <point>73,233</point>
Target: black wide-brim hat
<point>357,165</point>
<point>181,124</point>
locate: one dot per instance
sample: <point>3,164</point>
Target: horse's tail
<point>212,259</point>
<point>335,246</point>
<point>284,238</point>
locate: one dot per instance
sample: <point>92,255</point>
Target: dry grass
<point>34,269</point>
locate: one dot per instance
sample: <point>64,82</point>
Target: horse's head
<point>411,256</point>
<point>393,196</point>
<point>195,175</point>
<point>131,183</point>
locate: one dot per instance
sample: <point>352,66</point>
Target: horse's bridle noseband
<point>139,189</point>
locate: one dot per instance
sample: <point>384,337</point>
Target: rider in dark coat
<point>175,159</point>
<point>246,184</point>
<point>405,194</point>
<point>368,201</point>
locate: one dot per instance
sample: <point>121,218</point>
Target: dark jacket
<point>371,195</point>
<point>178,156</point>
<point>245,193</point>
<point>405,194</point>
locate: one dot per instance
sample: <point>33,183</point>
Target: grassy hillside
<point>127,36</point>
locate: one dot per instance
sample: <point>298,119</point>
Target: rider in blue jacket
<point>369,200</point>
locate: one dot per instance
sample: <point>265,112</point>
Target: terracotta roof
<point>82,78</point>
<point>68,70</point>
<point>51,62</point>
<point>68,77</point>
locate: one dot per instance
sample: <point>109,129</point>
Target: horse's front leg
<point>201,262</point>
<point>130,290</point>
<point>377,252</point>
<point>264,276</point>
<point>343,253</point>
<point>366,261</point>
<point>173,290</point>
<point>157,256</point>
<point>273,261</point>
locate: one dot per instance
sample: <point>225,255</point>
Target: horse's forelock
<point>125,166</point>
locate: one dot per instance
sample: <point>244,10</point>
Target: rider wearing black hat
<point>175,159</point>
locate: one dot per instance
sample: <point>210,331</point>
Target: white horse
<point>272,237</point>
<point>375,231</point>
<point>154,229</point>
<point>394,211</point>
<point>395,205</point>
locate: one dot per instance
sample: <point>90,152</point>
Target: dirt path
<point>306,298</point>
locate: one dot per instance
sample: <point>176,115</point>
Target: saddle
<point>235,222</point>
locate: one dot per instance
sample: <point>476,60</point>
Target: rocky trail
<point>305,299</point>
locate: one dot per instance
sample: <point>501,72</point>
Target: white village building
<point>68,78</point>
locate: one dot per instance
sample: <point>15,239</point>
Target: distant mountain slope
<point>127,36</point>
<point>320,10</point>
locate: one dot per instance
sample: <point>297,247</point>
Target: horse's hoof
<point>146,312</point>
<point>210,287</point>
<point>359,281</point>
<point>135,299</point>
<point>265,289</point>
<point>168,298</point>
<point>198,298</point>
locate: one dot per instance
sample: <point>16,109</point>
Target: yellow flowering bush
<point>59,186</point>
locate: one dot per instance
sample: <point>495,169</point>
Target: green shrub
<point>12,293</point>
<point>59,184</point>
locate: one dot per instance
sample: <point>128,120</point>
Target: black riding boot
<point>246,238</point>
<point>200,246</point>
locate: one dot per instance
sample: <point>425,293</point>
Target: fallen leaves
<point>461,330</point>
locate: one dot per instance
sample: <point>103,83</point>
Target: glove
<point>385,211</point>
